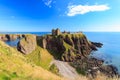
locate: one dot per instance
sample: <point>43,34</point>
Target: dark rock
<point>97,44</point>
<point>68,46</point>
<point>27,44</point>
<point>109,70</point>
<point>93,47</point>
<point>93,67</point>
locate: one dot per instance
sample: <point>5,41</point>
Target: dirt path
<point>66,70</point>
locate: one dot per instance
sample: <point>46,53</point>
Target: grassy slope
<point>13,65</point>
<point>40,57</point>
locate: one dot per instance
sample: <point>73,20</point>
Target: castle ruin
<point>56,32</point>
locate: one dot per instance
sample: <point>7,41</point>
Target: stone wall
<point>56,32</point>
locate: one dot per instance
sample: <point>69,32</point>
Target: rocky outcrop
<point>92,67</point>
<point>97,44</point>
<point>67,46</point>
<point>27,44</point>
<point>75,49</point>
<point>10,37</point>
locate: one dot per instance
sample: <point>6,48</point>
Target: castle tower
<point>56,32</point>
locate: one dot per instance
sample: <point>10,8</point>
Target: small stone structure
<point>56,32</point>
<point>65,32</point>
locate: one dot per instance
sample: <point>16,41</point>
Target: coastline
<point>97,62</point>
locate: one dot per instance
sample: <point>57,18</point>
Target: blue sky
<point>70,15</point>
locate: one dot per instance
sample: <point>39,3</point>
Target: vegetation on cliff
<point>13,65</point>
<point>39,52</point>
<point>40,57</point>
<point>66,47</point>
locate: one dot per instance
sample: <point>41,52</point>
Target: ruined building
<point>56,32</point>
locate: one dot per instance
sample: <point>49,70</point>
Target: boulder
<point>27,44</point>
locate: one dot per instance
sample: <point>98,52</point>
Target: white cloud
<point>83,9</point>
<point>47,3</point>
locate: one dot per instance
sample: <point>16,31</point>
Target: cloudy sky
<point>70,15</point>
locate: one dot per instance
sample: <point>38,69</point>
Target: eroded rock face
<point>27,44</point>
<point>75,49</point>
<point>68,46</point>
<point>10,37</point>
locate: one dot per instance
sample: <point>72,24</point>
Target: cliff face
<point>67,46</point>
<point>75,49</point>
<point>27,44</point>
<point>10,37</point>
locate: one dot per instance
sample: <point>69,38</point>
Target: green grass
<point>15,66</point>
<point>78,35</point>
<point>40,57</point>
<point>81,71</point>
<point>67,46</point>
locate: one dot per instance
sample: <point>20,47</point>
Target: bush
<point>80,71</point>
<point>54,69</point>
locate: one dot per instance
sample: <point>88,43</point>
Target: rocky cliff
<point>75,49</point>
<point>67,46</point>
<point>27,44</point>
<point>10,37</point>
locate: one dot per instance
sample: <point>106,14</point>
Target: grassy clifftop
<point>13,65</point>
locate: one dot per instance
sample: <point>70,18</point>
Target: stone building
<point>56,32</point>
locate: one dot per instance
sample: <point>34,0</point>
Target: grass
<point>67,46</point>
<point>80,71</point>
<point>40,57</point>
<point>15,66</point>
<point>78,35</point>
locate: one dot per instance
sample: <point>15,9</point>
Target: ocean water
<point>110,51</point>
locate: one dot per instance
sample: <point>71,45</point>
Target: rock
<point>10,37</point>
<point>75,49</point>
<point>97,44</point>
<point>27,44</point>
<point>68,40</point>
<point>3,37</point>
<point>94,67</point>
<point>67,46</point>
<point>93,47</point>
<point>109,70</point>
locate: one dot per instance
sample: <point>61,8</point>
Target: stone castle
<point>56,32</point>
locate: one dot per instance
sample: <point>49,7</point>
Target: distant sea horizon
<point>110,52</point>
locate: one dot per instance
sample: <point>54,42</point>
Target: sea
<point>110,51</point>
